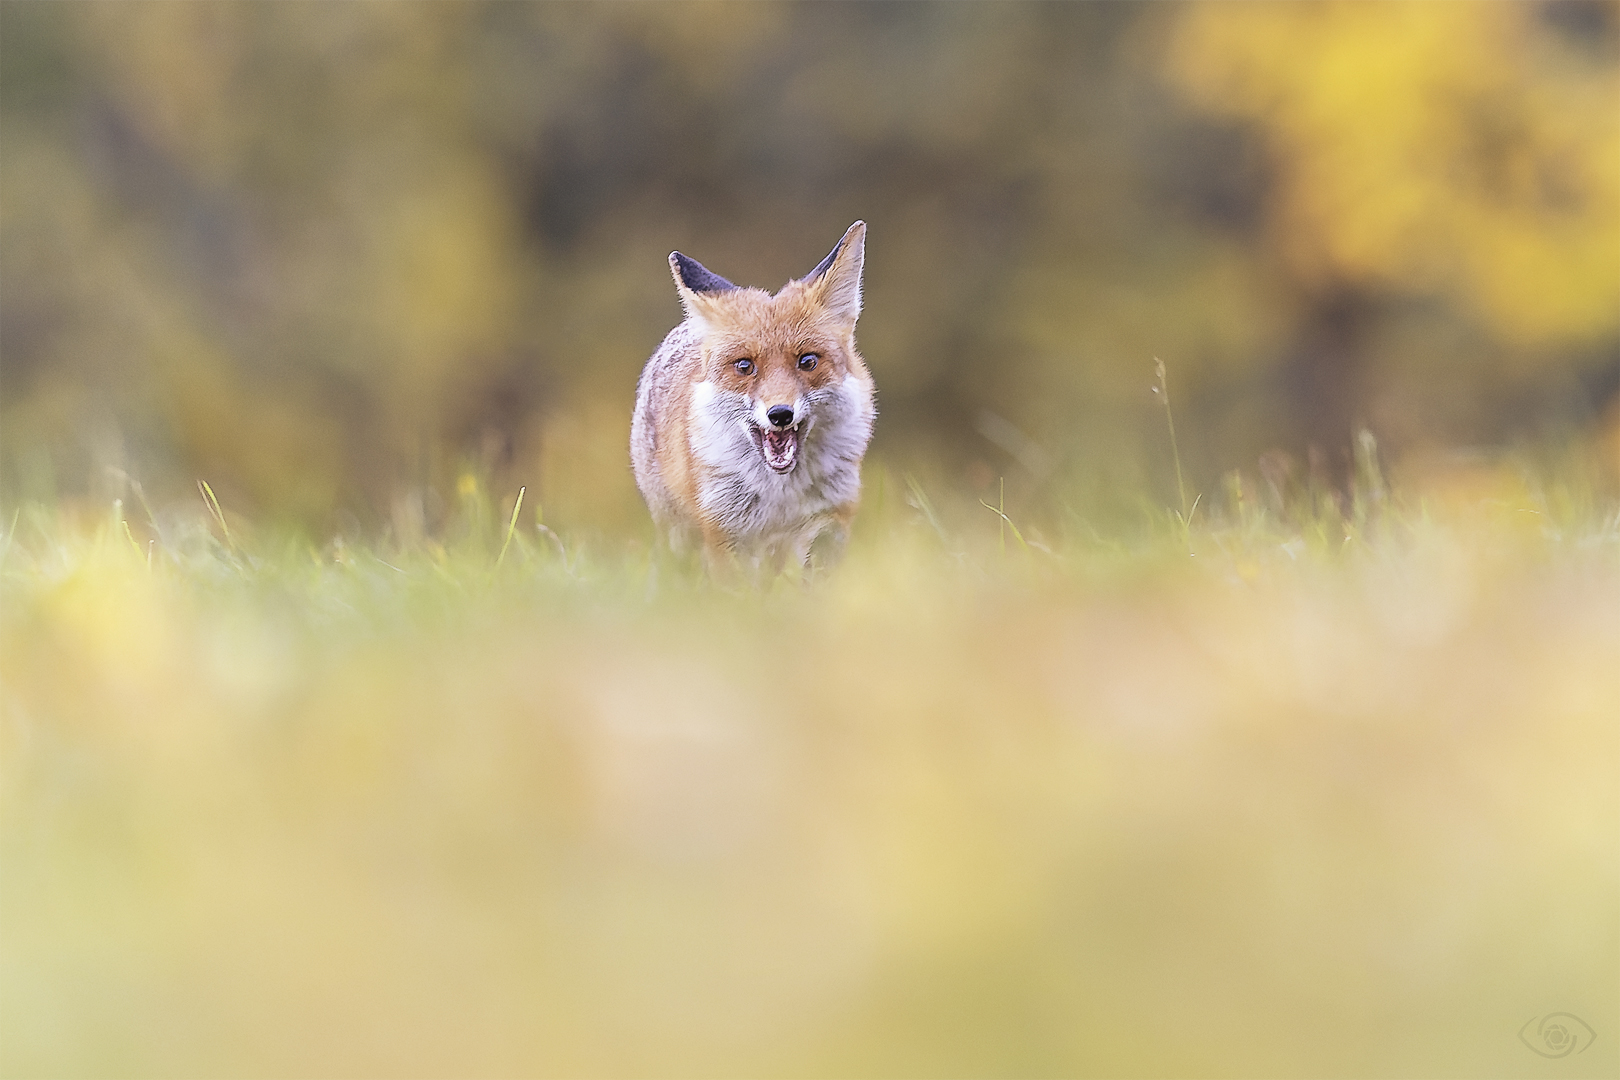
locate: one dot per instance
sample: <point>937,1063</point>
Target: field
<point>1295,787</point>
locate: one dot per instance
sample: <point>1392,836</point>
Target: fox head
<point>779,365</point>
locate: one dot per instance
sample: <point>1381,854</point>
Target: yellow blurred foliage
<point>326,254</point>
<point>1458,149</point>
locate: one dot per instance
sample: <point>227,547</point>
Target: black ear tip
<point>857,230</point>
<point>695,276</point>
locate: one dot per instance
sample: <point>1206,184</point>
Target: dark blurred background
<point>323,254</point>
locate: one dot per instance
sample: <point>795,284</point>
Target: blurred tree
<point>328,254</point>
<point>1468,153</point>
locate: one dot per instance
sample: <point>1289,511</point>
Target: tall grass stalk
<point>1005,523</point>
<point>1162,389</point>
<point>211,501</point>
<point>511,527</point>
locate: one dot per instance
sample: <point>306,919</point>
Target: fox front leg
<point>822,544</point>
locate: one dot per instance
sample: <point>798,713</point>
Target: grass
<point>1308,785</point>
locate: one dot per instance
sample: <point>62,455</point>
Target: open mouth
<point>778,446</point>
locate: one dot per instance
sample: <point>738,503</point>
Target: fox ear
<point>695,282</point>
<point>836,280</point>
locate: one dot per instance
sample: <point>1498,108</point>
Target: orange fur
<point>708,459</point>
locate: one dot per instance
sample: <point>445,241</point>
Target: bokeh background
<point>329,256</point>
<point>369,769</point>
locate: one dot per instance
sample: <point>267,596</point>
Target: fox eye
<point>744,366</point>
<point>807,362</point>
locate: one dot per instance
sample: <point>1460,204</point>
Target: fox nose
<point>780,415</point>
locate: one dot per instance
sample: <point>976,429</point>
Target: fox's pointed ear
<point>695,283</point>
<point>836,280</point>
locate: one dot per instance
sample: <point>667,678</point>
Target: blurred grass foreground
<point>1310,787</point>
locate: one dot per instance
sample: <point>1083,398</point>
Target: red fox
<point>753,415</point>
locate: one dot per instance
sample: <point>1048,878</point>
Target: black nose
<point>780,415</point>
